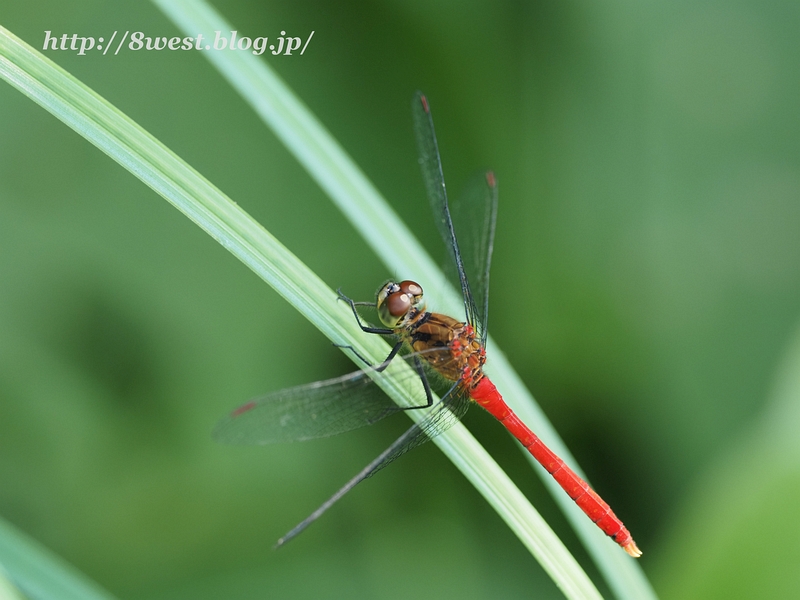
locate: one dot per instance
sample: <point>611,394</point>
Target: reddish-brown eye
<point>398,304</point>
<point>412,288</point>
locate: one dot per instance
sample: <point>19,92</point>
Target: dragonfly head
<point>397,302</point>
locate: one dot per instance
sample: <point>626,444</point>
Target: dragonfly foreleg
<point>364,328</point>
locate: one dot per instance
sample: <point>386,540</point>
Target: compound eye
<point>412,288</point>
<point>393,308</point>
<point>390,287</point>
<point>398,304</point>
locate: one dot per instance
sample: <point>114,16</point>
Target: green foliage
<point>731,541</point>
<point>645,287</point>
<point>39,573</point>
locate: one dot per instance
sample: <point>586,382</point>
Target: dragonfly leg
<point>427,386</point>
<point>381,366</point>
<point>364,328</point>
<point>417,367</point>
<point>428,394</point>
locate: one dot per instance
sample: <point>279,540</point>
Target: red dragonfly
<point>434,345</point>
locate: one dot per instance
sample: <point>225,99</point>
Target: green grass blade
<point>8,591</point>
<point>139,152</point>
<point>330,166</point>
<point>33,571</point>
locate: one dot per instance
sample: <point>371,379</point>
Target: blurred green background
<point>646,286</point>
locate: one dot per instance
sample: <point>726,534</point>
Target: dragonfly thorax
<point>399,303</point>
<point>449,346</point>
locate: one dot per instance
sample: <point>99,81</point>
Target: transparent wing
<point>448,412</point>
<point>476,212</point>
<point>314,410</point>
<point>474,216</point>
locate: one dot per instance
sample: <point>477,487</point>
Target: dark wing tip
<point>424,102</point>
<point>248,406</point>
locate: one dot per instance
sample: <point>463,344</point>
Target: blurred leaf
<point>7,589</point>
<point>40,573</point>
<point>737,536</point>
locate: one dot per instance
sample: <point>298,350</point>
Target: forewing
<point>474,215</point>
<point>472,218</point>
<point>315,410</point>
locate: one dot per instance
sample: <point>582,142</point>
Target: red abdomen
<point>486,394</point>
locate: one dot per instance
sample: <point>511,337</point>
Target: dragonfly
<point>437,347</point>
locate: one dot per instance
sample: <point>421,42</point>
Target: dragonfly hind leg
<point>417,367</point>
<point>427,386</point>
